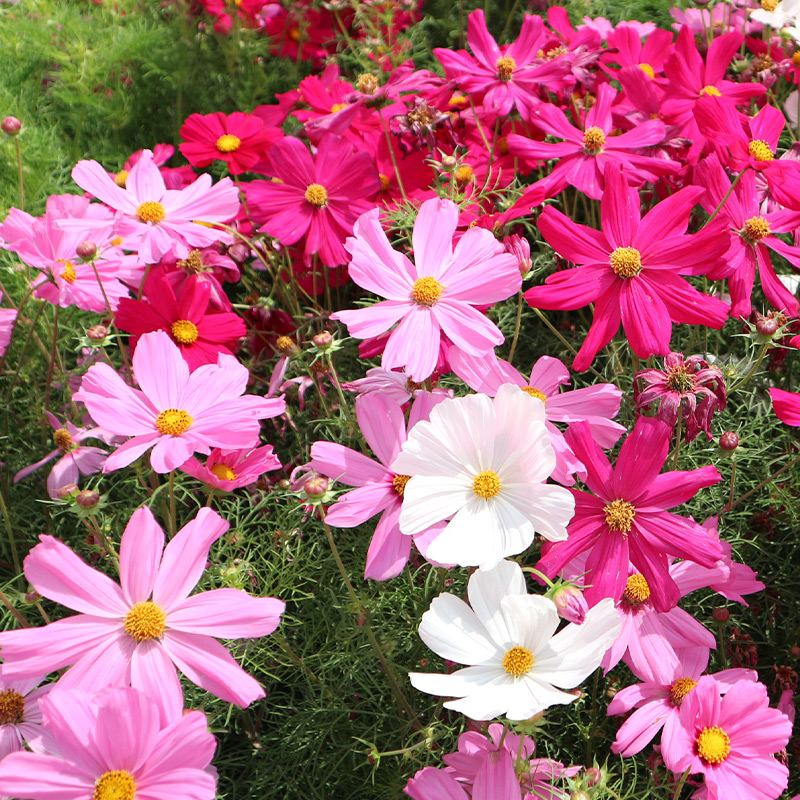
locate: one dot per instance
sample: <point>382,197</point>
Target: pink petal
<point>227,614</point>
<point>383,424</point>
<point>139,555</point>
<point>160,370</point>
<point>43,777</point>
<point>433,236</point>
<point>389,549</point>
<point>153,672</point>
<point>343,464</point>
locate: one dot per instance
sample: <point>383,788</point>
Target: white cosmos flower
<point>483,462</point>
<point>506,638</point>
<point>776,14</point>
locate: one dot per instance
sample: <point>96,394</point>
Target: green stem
<point>19,174</point>
<point>10,531</point>
<point>681,784</point>
<point>756,365</point>
<point>173,521</point>
<point>678,437</point>
<point>728,194</point>
<point>392,157</point>
<point>17,616</point>
<point>761,485</point>
<point>557,334</point>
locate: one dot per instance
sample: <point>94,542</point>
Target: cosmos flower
<point>227,470</point>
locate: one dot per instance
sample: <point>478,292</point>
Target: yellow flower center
<point>505,67</point>
<point>151,211</point>
<point>680,689</point>
<point>228,143</point>
<point>337,107</point>
<point>121,178</point>
<point>145,621</point>
<point>399,483</point>
<point>517,661</point>
<point>284,344</point>
<point>464,174</point>
<point>535,393</point>
<point>63,440</point>
<point>619,516</point>
<point>626,262</point>
<point>593,140</point>
<point>760,150</point>
<point>173,421</point>
<point>116,241</point>
<point>679,379</point>
<point>769,5</point>
<point>426,291</point>
<point>317,195</point>
<point>385,182</point>
<point>193,263</point>
<point>711,90</point>
<point>713,745</point>
<point>12,707</point>
<point>648,70</point>
<point>486,484</point>
<point>184,331</point>
<point>223,473</point>
<point>366,83</point>
<point>755,229</point>
<point>636,590</point>
<point>116,785</point>
<point>69,274</point>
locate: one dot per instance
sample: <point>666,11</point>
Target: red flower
<point>240,140</point>
<point>200,336</point>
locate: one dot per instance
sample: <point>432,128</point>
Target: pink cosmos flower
<point>625,519</point>
<point>8,318</point>
<point>631,270</point>
<point>20,714</point>
<point>111,746</point>
<point>229,470</point>
<point>318,197</point>
<point>390,383</point>
<point>76,459</point>
<point>207,265</point>
<point>786,406</point>
<point>435,295</point>
<point>628,49</point>
<point>174,412</point>
<point>677,388</point>
<point>139,632</point>
<point>503,78</point>
<point>730,741</point>
<point>593,404</point>
<point>379,490</point>
<point>658,700</point>
<point>585,155</point>
<point>158,221</point>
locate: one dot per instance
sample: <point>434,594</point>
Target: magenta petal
<point>676,488</point>
<point>139,555</point>
<point>641,458</point>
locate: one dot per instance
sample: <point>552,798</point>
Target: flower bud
<point>794,651</point>
<point>579,795</point>
<point>322,340</point>
<point>87,498</point>
<point>97,333</point>
<point>65,492</point>
<point>11,125</point>
<point>729,441</point>
<point>316,487</point>
<point>571,604</point>
<point>284,483</point>
<point>86,249</point>
<point>593,776</point>
<point>721,614</point>
<point>449,163</point>
<point>521,250</point>
<point>767,326</point>
<point>239,251</point>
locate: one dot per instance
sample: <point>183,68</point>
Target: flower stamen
<point>505,67</point>
<point>486,484</point>
<point>517,661</point>
<point>619,516</point>
<point>711,91</point>
<point>538,393</point>
<point>12,707</point>
<point>115,785</point>
<point>680,689</point>
<point>174,421</point>
<point>228,143</point>
<point>317,195</point>
<point>145,620</point>
<point>426,291</point>
<point>593,140</point>
<point>69,274</point>
<point>626,262</point>
<point>713,745</point>
<point>184,331</point>
<point>63,440</point>
<point>151,211</point>
<point>223,473</point>
<point>648,70</point>
<point>760,150</point>
<point>636,590</point>
<point>399,483</point>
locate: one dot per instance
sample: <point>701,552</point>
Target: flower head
<point>232,469</point>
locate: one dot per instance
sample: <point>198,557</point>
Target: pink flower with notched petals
<point>625,519</point>
<point>137,632</point>
<point>229,470</point>
<point>20,715</point>
<point>631,270</point>
<point>435,295</point>
<point>155,220</point>
<point>112,745</point>
<point>174,412</point>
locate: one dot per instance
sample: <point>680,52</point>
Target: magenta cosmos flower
<point>156,220</point>
<point>631,270</point>
<point>240,140</point>
<point>625,520</point>
<point>175,412</point>
<point>227,470</point>
<point>111,746</point>
<point>585,155</point>
<point>730,741</point>
<point>318,196</point>
<point>508,77</point>
<point>138,632</point>
<point>436,294</point>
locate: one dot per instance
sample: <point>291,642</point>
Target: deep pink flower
<point>240,140</point>
<point>318,197</point>
<point>206,265</point>
<point>786,406</point>
<point>627,49</point>
<point>112,746</point>
<point>379,490</point>
<point>730,740</point>
<point>174,412</point>
<point>229,470</point>
<point>677,388</point>
<point>585,155</point>
<point>503,78</point>
<point>157,220</point>
<point>200,334</point>
<point>631,270</point>
<point>139,632</point>
<point>436,294</point>
<point>625,519</point>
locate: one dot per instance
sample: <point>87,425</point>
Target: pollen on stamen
<point>12,707</point>
<point>228,143</point>
<point>637,590</point>
<point>69,274</point>
<point>193,263</point>
<point>760,150</point>
<point>63,440</point>
<point>399,484</point>
<point>626,262</point>
<point>711,90</point>
<point>680,380</point>
<point>115,785</point>
<point>184,331</point>
<point>121,178</point>
<point>518,661</point>
<point>505,67</point>
<point>385,182</point>
<point>648,70</point>
<point>769,5</point>
<point>619,516</point>
<point>593,140</point>
<point>486,484</point>
<point>174,421</point>
<point>151,211</point>
<point>145,620</point>
<point>755,229</point>
<point>337,107</point>
<point>223,473</point>
<point>426,291</point>
<point>367,83</point>
<point>464,174</point>
<point>538,393</point>
<point>317,195</point>
<point>680,689</point>
<point>713,745</point>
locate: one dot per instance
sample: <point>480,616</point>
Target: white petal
<point>549,508</point>
<point>460,683</point>
<point>535,695</point>
<point>427,501</point>
<point>451,629</point>
<point>532,620</point>
<point>487,588</point>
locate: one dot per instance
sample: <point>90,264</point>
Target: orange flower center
<point>636,590</point>
<point>760,150</point>
<point>626,262</point>
<point>12,707</point>
<point>184,331</point>
<point>173,421</point>
<point>116,785</point>
<point>228,143</point>
<point>713,745</point>
<point>223,473</point>
<point>593,140</point>
<point>69,274</point>
<point>619,516</point>
<point>145,621</point>
<point>399,483</point>
<point>426,291</point>
<point>769,5</point>
<point>385,182</point>
<point>63,440</point>
<point>755,229</point>
<point>317,195</point>
<point>151,211</point>
<point>505,67</point>
<point>680,689</point>
<point>464,174</point>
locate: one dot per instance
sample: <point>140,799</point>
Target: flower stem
<point>19,174</point>
<point>752,371</point>
<point>681,784</point>
<point>17,616</point>
<point>173,522</point>
<point>725,199</point>
<point>10,530</point>
<point>761,485</point>
<point>678,437</point>
<point>516,328</point>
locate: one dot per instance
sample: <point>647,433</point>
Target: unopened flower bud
<point>97,333</point>
<point>65,492</point>
<point>32,596</point>
<point>729,441</point>
<point>239,251</point>
<point>322,340</point>
<point>767,326</point>
<point>11,125</point>
<point>87,498</point>
<point>284,483</point>
<point>316,487</point>
<point>721,614</point>
<point>86,249</point>
<point>794,651</point>
<point>449,163</point>
<point>571,604</point>
<point>593,776</point>
<point>579,795</point>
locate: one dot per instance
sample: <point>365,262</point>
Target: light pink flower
<point>161,221</point>
<point>390,383</point>
<point>138,632</point>
<point>229,470</point>
<point>8,317</point>
<point>20,715</point>
<point>175,412</point>
<point>111,745</point>
<point>435,295</point>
